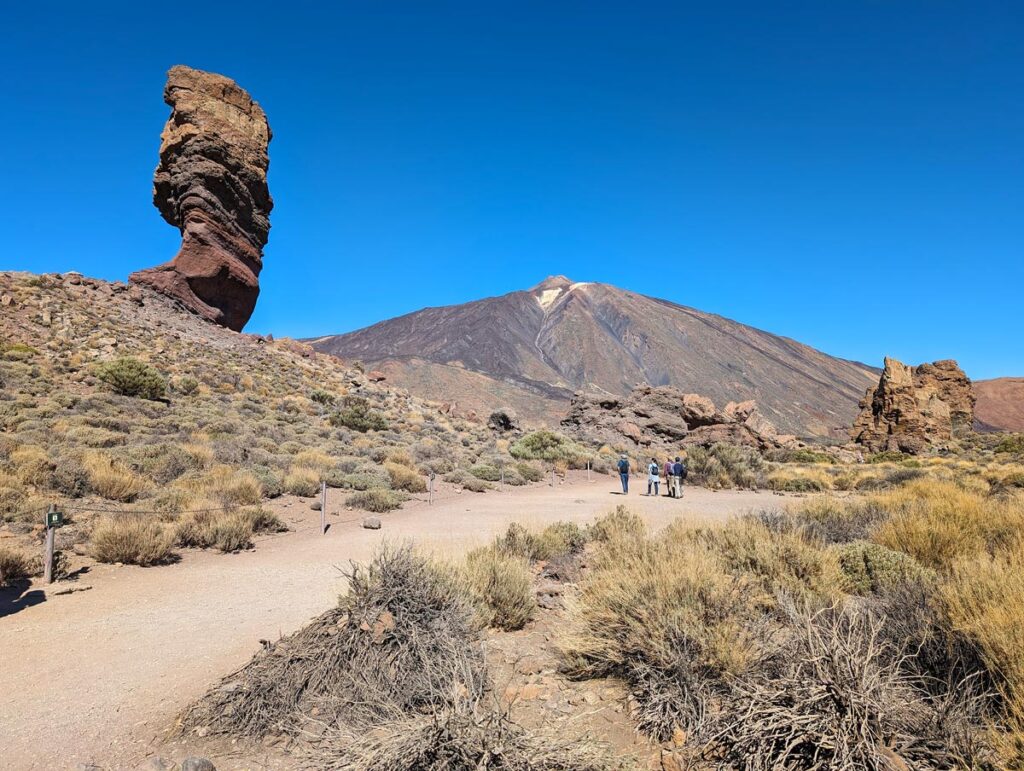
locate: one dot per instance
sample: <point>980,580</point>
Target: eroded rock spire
<point>211,184</point>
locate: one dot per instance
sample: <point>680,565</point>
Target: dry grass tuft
<point>15,564</point>
<point>501,586</point>
<point>113,480</point>
<point>405,478</point>
<point>132,539</point>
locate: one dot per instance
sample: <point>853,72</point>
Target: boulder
<point>211,184</point>
<point>372,523</point>
<point>664,416</point>
<point>197,764</point>
<point>914,409</point>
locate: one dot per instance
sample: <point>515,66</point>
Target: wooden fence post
<point>323,507</point>
<point>48,553</point>
<point>430,489</point>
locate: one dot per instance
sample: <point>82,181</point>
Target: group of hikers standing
<point>674,472</point>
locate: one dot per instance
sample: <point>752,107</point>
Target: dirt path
<point>94,676</point>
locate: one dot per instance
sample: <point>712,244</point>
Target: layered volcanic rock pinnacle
<point>211,184</point>
<point>914,408</point>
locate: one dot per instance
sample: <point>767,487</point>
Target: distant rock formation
<point>212,184</point>
<point>665,416</point>
<point>913,409</point>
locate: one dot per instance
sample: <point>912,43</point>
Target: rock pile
<point>663,415</point>
<point>915,408</point>
<point>212,184</point>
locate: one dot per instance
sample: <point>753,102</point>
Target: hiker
<point>624,473</point>
<point>678,475</point>
<point>668,477</point>
<point>653,469</point>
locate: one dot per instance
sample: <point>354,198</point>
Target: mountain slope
<point>531,349</point>
<point>1000,404</point>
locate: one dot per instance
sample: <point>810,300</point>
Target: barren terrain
<point>124,657</point>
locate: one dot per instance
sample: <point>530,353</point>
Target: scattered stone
<point>197,764</point>
<point>913,409</point>
<point>376,376</point>
<point>158,764</point>
<point>316,505</point>
<point>212,184</point>
<point>6,300</point>
<point>372,523</point>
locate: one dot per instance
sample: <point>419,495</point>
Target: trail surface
<point>95,676</point>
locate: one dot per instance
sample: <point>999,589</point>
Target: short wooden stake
<point>48,554</point>
<point>430,490</point>
<point>323,507</point>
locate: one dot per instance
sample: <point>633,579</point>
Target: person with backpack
<point>623,466</point>
<point>668,477</point>
<point>678,475</point>
<point>653,478</point>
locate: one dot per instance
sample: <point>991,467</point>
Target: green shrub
<point>376,500</point>
<point>186,385</point>
<point>870,568</point>
<point>887,456</point>
<point>357,415</point>
<point>1012,443</point>
<point>474,485</point>
<point>546,445</point>
<point>560,539</point>
<point>529,472</point>
<point>486,471</point>
<point>131,377</point>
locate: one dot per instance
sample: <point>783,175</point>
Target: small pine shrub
<point>486,472</point>
<point>131,377</point>
<point>357,415</point>
<point>529,472</point>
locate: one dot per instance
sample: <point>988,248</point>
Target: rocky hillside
<point>1000,404</point>
<point>531,350</point>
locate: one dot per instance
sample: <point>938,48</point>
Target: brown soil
<point>99,676</point>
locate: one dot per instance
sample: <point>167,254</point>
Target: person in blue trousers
<point>624,474</point>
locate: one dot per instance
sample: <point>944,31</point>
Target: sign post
<point>430,489</point>
<point>323,507</point>
<point>54,519</point>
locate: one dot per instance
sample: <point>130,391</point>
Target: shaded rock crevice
<point>211,183</point>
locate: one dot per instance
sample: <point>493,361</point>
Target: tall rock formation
<point>211,184</point>
<point>913,409</point>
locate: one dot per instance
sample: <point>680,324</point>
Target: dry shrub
<point>113,480</point>
<point>402,642</point>
<point>837,520</point>
<point>14,564</point>
<point>132,539</point>
<point>835,697</point>
<point>404,478</point>
<point>302,481</point>
<point>783,561</point>
<point>984,599</point>
<point>501,586</point>
<point>800,480</point>
<point>939,522</point>
<point>378,501</point>
<point>468,738</point>
<point>32,466</point>
<point>229,486</point>
<point>205,528</point>
<point>665,614</point>
<point>314,460</point>
<point>618,525</point>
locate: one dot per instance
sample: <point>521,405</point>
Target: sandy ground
<point>97,676</point>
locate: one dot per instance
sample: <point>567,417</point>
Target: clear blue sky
<point>845,173</point>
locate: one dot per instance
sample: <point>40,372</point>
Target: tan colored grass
<point>111,479</point>
<point>404,478</point>
<point>228,486</point>
<point>15,563</point>
<point>501,586</point>
<point>31,465</point>
<point>314,460</point>
<point>790,479</point>
<point>938,523</point>
<point>132,539</point>
<point>302,481</point>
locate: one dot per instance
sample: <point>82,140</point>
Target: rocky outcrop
<point>212,184</point>
<point>664,416</point>
<point>914,409</point>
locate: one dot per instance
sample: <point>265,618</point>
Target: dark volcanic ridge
<point>531,350</point>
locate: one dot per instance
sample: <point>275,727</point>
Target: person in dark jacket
<point>624,473</point>
<point>668,477</point>
<point>678,475</point>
